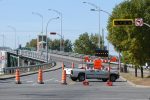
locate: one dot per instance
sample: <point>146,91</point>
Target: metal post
<point>60,14</point>
<point>2,39</point>
<point>47,37</point>
<point>13,28</point>
<point>103,39</point>
<point>99,31</point>
<point>119,65</point>
<point>96,9</point>
<point>42,25</point>
<point>62,46</point>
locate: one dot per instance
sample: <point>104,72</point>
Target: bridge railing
<point>31,68</point>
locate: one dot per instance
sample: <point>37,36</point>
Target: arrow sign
<point>138,22</point>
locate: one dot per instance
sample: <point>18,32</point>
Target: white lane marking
<point>52,79</point>
<point>57,81</point>
<point>34,84</point>
<point>29,81</point>
<point>49,79</point>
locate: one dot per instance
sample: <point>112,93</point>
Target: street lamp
<point>96,9</point>
<point>3,38</point>
<point>14,29</point>
<point>60,14</point>
<point>106,12</point>
<point>35,13</point>
<point>47,36</point>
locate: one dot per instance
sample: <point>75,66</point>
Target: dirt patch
<point>136,80</point>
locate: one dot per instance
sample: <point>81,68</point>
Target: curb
<point>129,82</point>
<point>133,84</point>
<point>29,73</point>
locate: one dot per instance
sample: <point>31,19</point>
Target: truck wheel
<point>112,78</point>
<point>81,77</point>
<point>74,78</point>
<point>104,79</point>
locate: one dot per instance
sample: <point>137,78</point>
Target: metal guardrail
<point>42,55</point>
<point>31,68</point>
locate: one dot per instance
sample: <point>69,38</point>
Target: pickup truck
<point>104,74</point>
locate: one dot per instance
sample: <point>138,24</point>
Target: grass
<point>136,80</point>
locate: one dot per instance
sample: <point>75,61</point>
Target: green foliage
<point>67,46</point>
<point>32,44</point>
<point>132,41</point>
<point>55,45</point>
<point>86,44</point>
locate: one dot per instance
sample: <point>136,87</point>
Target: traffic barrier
<point>40,77</point>
<point>86,83</point>
<point>86,59</point>
<point>72,65</point>
<point>109,83</point>
<point>18,77</point>
<point>63,80</point>
<point>108,68</point>
<point>97,64</point>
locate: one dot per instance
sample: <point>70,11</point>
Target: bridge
<point>27,60</point>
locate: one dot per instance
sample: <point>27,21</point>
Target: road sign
<point>122,22</point>
<point>101,53</point>
<point>53,33</point>
<point>138,22</point>
<point>97,64</point>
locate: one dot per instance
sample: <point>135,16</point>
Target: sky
<point>77,19</point>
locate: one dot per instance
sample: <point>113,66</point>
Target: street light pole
<point>3,38</point>
<point>14,29</point>
<point>47,36</point>
<point>119,65</point>
<point>105,12</point>
<point>40,15</point>
<point>60,14</point>
<point>60,36</point>
<point>96,9</point>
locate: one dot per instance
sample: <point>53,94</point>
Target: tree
<point>131,40</point>
<point>32,44</point>
<point>67,46</point>
<point>55,45</point>
<point>86,44</point>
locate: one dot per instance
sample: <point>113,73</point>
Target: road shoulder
<point>135,81</point>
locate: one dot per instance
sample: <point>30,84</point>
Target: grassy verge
<point>136,80</point>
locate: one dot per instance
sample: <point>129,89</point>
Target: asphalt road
<point>52,89</point>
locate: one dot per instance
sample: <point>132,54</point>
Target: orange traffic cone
<point>109,83</point>
<point>40,77</point>
<point>18,77</point>
<point>85,82</point>
<point>72,65</point>
<point>63,80</point>
<point>63,66</point>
